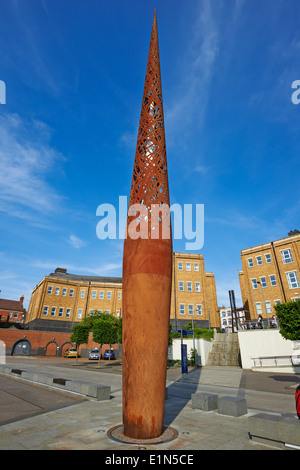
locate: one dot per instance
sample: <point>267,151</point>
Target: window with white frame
<point>250,262</point>
<point>60,311</point>
<point>108,295</point>
<point>273,280</point>
<point>180,266</point>
<point>259,260</point>
<point>64,292</point>
<point>45,311</point>
<point>197,287</point>
<point>68,313</point>
<point>199,309</point>
<point>191,309</point>
<point>254,283</point>
<point>258,308</point>
<point>196,266</point>
<point>189,286</point>
<point>119,295</point>
<point>180,286</point>
<point>71,294</point>
<point>94,294</point>
<point>101,294</point>
<point>293,280</point>
<point>82,294</point>
<point>53,310</point>
<point>268,306</point>
<point>188,266</point>
<point>79,313</point>
<point>50,288</point>
<point>276,302</point>
<point>286,256</point>
<point>268,258</point>
<point>263,281</point>
<point>57,289</point>
<point>182,309</point>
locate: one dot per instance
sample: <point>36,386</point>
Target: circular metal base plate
<point>117,434</point>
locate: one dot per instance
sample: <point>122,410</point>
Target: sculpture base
<point>117,434</point>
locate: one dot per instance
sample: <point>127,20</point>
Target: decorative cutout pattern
<point>150,176</point>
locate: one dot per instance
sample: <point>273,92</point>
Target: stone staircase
<point>225,350</point>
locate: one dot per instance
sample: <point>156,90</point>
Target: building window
<point>250,262</point>
<point>276,302</point>
<point>107,311</point>
<point>273,280</point>
<point>60,312</point>
<point>268,258</point>
<point>258,308</point>
<point>181,286</point>
<point>191,309</point>
<point>108,295</point>
<point>64,292</point>
<point>91,312</point>
<point>119,295</point>
<point>182,309</point>
<point>94,294</point>
<point>68,313</point>
<point>45,311</point>
<point>293,280</point>
<point>189,286</point>
<point>118,313</point>
<point>79,313</point>
<point>180,266</point>
<point>259,260</point>
<point>287,256</point>
<point>82,294</point>
<point>57,289</point>
<point>101,295</point>
<point>196,266</point>
<point>254,283</point>
<point>53,310</point>
<point>188,266</point>
<point>268,306</point>
<point>197,287</point>
<point>71,293</point>
<point>49,290</point>
<point>199,309</point>
<point>263,281</point>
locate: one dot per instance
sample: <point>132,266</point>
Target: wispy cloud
<point>100,270</point>
<point>194,84</point>
<point>76,242</point>
<point>26,159</point>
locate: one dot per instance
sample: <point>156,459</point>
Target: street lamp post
<point>254,302</point>
<point>208,313</point>
<point>258,282</point>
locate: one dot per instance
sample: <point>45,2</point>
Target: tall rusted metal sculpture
<point>147,267</point>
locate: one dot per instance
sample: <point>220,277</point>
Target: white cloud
<point>75,241</point>
<point>26,158</point>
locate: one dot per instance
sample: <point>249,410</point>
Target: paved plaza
<point>40,418</point>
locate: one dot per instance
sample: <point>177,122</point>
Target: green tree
<point>288,315</point>
<point>105,331</point>
<point>80,335</point>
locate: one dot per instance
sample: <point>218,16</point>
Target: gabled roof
<point>11,305</point>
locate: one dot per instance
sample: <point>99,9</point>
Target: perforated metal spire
<point>150,176</point>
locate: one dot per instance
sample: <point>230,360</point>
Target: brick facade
<point>270,274</point>
<point>61,299</point>
<point>12,310</point>
<point>43,343</point>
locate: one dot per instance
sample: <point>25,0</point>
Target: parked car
<point>72,352</point>
<point>94,354</point>
<point>109,354</point>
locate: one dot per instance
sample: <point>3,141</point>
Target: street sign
<point>184,361</point>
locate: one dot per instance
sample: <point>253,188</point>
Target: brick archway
<point>51,348</point>
<point>21,347</point>
<point>64,346</point>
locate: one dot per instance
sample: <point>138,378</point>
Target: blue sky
<point>74,73</point>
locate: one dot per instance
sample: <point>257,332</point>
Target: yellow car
<point>72,352</point>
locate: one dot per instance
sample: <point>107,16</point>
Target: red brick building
<point>12,310</point>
